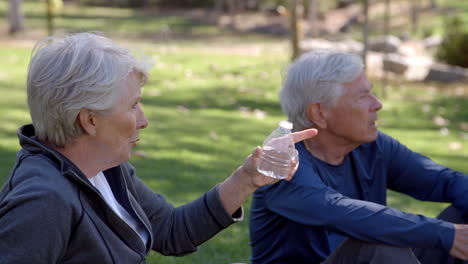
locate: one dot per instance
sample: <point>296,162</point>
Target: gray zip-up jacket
<point>50,213</point>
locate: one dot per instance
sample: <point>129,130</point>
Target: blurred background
<point>212,94</point>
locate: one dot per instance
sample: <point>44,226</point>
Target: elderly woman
<point>72,196</point>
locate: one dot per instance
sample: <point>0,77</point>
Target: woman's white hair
<point>316,77</point>
<point>74,72</point>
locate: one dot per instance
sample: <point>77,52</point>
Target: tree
<point>414,16</point>
<point>53,6</point>
<point>50,18</point>
<point>312,12</point>
<point>15,16</point>
<point>235,7</point>
<point>219,6</point>
<point>294,28</point>
<point>365,31</point>
<point>386,33</point>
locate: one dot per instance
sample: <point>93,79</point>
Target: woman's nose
<point>142,121</point>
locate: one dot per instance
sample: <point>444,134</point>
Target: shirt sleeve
<point>179,230</point>
<point>311,202</point>
<point>420,177</point>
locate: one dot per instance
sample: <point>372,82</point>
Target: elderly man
<point>334,209</point>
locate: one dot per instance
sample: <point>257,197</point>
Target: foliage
<point>454,48</point>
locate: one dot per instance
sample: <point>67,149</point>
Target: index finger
<point>304,134</point>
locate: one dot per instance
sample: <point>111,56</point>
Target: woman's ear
<point>315,113</point>
<point>87,121</point>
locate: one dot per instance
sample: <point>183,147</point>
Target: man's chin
<point>371,137</point>
<point>374,136</point>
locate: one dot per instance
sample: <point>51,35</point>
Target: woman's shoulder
<point>38,176</point>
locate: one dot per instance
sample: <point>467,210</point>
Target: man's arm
<point>315,204</point>
<point>420,177</point>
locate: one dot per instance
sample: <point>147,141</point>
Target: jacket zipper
<point>139,217</point>
<point>114,213</point>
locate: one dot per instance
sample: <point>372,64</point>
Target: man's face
<point>353,117</point>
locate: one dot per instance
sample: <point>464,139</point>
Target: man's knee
<point>453,215</point>
<point>354,251</point>
<point>381,253</point>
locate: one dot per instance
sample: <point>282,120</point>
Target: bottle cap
<point>286,124</point>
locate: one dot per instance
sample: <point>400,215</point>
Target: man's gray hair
<point>316,77</point>
<point>74,72</point>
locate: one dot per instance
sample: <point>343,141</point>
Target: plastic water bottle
<point>279,153</point>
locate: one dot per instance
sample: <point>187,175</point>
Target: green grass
<point>210,102</point>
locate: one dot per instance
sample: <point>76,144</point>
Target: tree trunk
<point>365,32</point>
<point>50,18</point>
<point>386,33</point>
<point>15,16</point>
<point>414,16</point>
<point>240,6</point>
<point>313,18</point>
<point>235,8</point>
<point>219,6</point>
<point>387,18</point>
<point>294,29</point>
<point>232,7</point>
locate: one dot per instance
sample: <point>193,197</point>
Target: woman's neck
<point>81,154</point>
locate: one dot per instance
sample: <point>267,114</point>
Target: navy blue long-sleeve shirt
<point>304,220</point>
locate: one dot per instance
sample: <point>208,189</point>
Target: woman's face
<point>117,132</point>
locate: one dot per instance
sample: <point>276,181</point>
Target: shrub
<point>454,47</point>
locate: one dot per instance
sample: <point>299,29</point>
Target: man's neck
<point>329,148</point>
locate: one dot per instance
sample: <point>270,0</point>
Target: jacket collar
<point>30,144</point>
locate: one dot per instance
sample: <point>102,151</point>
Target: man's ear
<point>315,113</point>
<point>87,121</point>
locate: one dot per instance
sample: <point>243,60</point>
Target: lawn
<point>210,101</point>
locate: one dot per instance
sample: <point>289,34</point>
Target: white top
<point>100,182</point>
